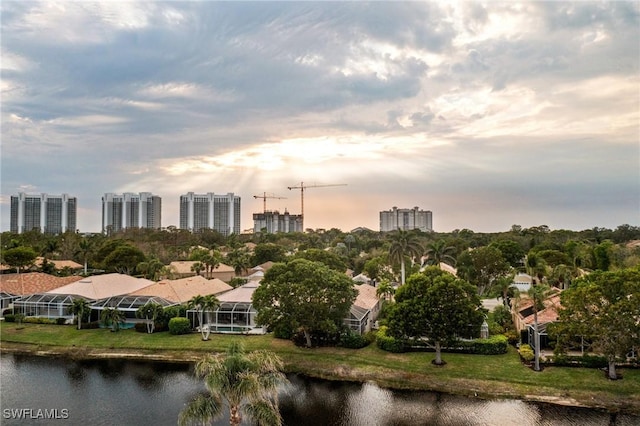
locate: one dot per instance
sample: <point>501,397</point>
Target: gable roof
<point>32,282</point>
<point>58,264</point>
<point>102,286</point>
<point>361,278</point>
<point>242,294</point>
<point>263,266</point>
<point>184,267</point>
<point>184,289</point>
<point>366,297</point>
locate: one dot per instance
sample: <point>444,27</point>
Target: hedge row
<point>589,361</point>
<point>34,320</point>
<point>494,345</point>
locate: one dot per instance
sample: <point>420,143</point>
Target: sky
<point>487,114</point>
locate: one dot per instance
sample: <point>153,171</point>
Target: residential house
<point>365,309</point>
<point>184,289</point>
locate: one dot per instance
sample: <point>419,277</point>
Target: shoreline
<point>338,374</point>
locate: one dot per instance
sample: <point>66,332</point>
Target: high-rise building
<point>273,222</point>
<point>129,210</point>
<point>406,219</point>
<point>50,214</point>
<point>218,212</point>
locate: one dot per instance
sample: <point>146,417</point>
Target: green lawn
<point>486,375</point>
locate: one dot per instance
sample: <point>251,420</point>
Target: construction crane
<point>302,187</point>
<point>264,197</point>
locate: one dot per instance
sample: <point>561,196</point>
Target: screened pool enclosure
<point>238,317</point>
<point>46,305</point>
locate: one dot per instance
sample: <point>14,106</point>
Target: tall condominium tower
<point>218,212</point>
<point>129,210</point>
<point>406,219</point>
<point>273,222</point>
<point>50,214</point>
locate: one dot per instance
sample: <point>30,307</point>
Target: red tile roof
<point>33,282</point>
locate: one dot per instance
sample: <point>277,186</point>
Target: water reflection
<point>124,392</point>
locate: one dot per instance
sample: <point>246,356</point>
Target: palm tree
<point>403,244</point>
<point>438,252</point>
<point>385,290</point>
<point>81,308</point>
<point>50,247</point>
<point>504,285</point>
<point>197,267</point>
<point>240,260</point>
<point>85,248</point>
<point>150,311</point>
<point>245,382</point>
<point>211,261</point>
<point>151,268</point>
<point>538,293</point>
<point>112,317</point>
<point>201,304</point>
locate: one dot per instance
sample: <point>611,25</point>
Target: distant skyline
<point>487,114</point>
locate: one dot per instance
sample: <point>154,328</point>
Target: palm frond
<point>203,409</point>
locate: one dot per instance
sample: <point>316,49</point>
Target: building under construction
<point>273,222</point>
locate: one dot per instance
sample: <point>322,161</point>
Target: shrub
<point>526,353</point>
<point>495,328</point>
<point>140,327</point>
<point>318,339</point>
<point>61,321</point>
<point>494,345</point>
<point>588,361</point>
<point>353,340</point>
<point>388,343</point>
<point>512,336</point>
<point>39,320</point>
<point>282,331</point>
<point>90,325</point>
<point>179,325</point>
<point>10,318</point>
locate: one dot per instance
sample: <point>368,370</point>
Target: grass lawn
<point>484,375</point>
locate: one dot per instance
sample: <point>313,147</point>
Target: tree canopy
<point>304,295</point>
<point>482,267</point>
<point>437,306</point>
<point>332,260</point>
<point>266,252</point>
<point>604,309</point>
<point>19,257</point>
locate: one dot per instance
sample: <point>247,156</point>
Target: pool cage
<point>127,305</point>
<point>358,320</point>
<point>6,301</point>
<point>46,305</point>
<point>543,337</point>
<point>229,317</point>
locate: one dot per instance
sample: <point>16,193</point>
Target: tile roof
<point>240,294</point>
<point>32,282</point>
<point>59,264</point>
<point>184,267</point>
<point>548,314</point>
<point>263,266</point>
<point>184,289</point>
<point>102,286</point>
<point>366,297</point>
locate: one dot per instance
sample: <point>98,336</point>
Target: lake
<point>119,392</point>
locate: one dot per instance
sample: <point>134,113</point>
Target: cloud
<point>446,106</point>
